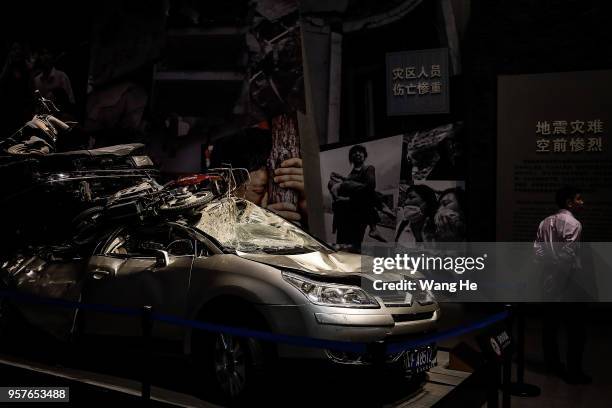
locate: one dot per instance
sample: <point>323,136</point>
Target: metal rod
<point>493,370</point>
<point>506,381</point>
<point>520,352</point>
<point>147,329</point>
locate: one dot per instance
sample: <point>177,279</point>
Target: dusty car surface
<point>228,262</point>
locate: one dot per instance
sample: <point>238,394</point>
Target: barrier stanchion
<point>520,388</point>
<point>378,354</point>
<point>301,341</point>
<point>499,364</point>
<point>145,364</point>
<point>378,351</point>
<point>493,371</point>
<point>506,381</point>
<point>507,362</point>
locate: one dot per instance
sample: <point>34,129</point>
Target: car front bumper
<point>366,326</point>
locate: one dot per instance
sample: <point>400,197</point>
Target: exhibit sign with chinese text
<point>553,131</point>
<point>417,82</point>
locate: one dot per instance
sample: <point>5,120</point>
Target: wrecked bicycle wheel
<point>182,202</point>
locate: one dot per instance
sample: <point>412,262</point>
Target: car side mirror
<point>161,258</point>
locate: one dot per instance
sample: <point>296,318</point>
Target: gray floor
<point>555,392</point>
<point>441,381</point>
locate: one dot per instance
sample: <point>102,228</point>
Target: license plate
<point>421,359</point>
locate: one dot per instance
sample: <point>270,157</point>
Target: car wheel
<point>230,360</point>
<point>229,368</point>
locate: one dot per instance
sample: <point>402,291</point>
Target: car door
<point>56,276</point>
<point>136,267</point>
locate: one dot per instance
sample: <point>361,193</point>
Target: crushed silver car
<point>229,262</point>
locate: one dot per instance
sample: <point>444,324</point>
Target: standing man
<point>53,83</point>
<point>557,254</point>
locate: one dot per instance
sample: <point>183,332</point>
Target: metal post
<point>378,352</point>
<point>520,352</point>
<point>520,388</point>
<point>493,371</point>
<point>506,368</point>
<point>506,381</point>
<point>147,329</point>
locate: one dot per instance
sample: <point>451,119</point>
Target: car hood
<point>319,263</point>
<point>332,265</point>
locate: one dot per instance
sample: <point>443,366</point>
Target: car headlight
<point>329,294</point>
<point>424,298</point>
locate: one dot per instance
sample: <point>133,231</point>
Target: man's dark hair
<point>357,148</point>
<point>564,194</point>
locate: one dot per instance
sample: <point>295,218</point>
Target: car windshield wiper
<point>270,250</point>
<point>287,250</point>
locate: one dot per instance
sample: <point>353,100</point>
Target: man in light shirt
<point>51,82</point>
<point>557,252</point>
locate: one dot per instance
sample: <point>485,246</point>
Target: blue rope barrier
<point>346,346</point>
<point>266,336</point>
<point>236,331</point>
<point>71,305</point>
<point>435,337</point>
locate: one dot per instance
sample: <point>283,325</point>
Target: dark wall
<point>364,59</point>
<point>516,37</point>
<point>50,24</point>
<point>63,28</point>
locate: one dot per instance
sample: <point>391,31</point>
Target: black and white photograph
<point>434,154</point>
<point>430,211</point>
<point>360,187</point>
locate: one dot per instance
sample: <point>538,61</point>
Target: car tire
<point>229,368</point>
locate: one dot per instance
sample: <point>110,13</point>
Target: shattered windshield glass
<point>242,226</point>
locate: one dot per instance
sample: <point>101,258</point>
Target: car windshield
<point>242,226</point>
